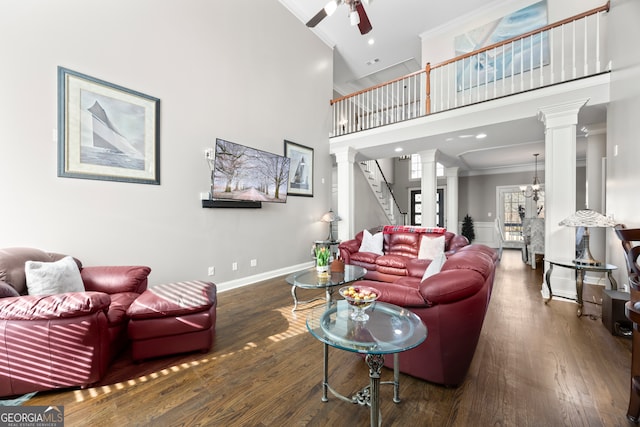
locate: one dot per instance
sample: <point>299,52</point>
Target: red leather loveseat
<point>66,339</point>
<point>452,302</point>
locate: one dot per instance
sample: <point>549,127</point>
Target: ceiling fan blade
<point>365,24</point>
<point>317,18</point>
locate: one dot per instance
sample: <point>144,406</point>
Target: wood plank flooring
<point>535,365</point>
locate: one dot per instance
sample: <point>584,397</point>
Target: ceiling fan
<point>357,14</point>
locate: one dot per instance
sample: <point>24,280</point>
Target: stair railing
<point>569,49</point>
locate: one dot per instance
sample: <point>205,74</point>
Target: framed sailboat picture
<point>300,169</point>
<point>106,131</point>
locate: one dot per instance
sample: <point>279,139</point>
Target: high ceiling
<point>396,51</point>
<point>397,25</point>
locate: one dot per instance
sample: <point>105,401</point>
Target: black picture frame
<point>301,169</point>
<point>105,131</point>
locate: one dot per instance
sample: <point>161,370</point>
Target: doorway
<point>415,207</point>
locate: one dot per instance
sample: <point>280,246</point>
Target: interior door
<point>415,208</point>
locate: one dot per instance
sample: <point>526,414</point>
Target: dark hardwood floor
<point>535,365</point>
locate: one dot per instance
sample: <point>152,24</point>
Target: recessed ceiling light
<point>481,135</point>
<point>371,41</point>
<point>399,149</point>
<point>465,136</point>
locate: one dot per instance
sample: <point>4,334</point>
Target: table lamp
<point>587,218</point>
<point>330,217</point>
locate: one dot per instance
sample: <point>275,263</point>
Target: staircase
<point>382,190</point>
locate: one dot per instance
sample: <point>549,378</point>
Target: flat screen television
<point>242,173</point>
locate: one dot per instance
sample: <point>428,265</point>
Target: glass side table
<point>310,279</point>
<point>580,269</point>
<point>389,330</point>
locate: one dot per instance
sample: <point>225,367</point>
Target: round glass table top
<point>389,329</point>
<point>310,279</point>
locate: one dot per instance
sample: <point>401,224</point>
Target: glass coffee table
<point>389,330</point>
<point>310,279</point>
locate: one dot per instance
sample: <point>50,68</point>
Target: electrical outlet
<point>212,271</point>
<point>234,266</point>
<point>254,262</point>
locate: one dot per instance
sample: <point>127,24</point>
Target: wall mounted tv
<point>246,174</point>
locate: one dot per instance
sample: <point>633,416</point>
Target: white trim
<point>249,280</point>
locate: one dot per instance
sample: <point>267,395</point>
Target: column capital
<point>561,114</point>
<point>429,155</point>
<point>451,172</point>
<point>345,154</point>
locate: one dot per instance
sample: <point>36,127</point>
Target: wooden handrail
<point>369,89</point>
<point>604,8</point>
<point>428,68</point>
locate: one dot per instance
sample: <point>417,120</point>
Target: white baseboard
<point>249,280</point>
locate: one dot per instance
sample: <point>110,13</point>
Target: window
<point>513,207</point>
<point>513,204</point>
<point>415,172</point>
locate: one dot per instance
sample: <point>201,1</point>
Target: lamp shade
<point>330,217</point>
<point>587,218</point>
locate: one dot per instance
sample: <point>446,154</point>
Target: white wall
<point>623,174</point>
<point>253,75</point>
<point>438,44</point>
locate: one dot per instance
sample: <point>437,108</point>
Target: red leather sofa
<point>67,339</point>
<point>400,253</point>
<point>452,303</point>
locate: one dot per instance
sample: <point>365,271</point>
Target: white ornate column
<point>560,191</point>
<point>345,158</point>
<point>451,199</point>
<point>428,186</point>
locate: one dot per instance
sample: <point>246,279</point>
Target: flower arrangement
<point>322,256</point>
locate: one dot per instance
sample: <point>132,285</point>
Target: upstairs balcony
<point>566,51</point>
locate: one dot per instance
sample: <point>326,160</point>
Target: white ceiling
<point>397,25</point>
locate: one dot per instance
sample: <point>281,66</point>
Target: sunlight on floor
<point>297,326</point>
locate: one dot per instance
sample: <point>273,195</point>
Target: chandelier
<point>534,189</point>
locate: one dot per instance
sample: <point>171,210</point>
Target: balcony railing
<point>567,50</point>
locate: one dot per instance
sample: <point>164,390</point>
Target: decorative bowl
<point>360,298</point>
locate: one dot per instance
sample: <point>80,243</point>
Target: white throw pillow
<point>372,243</point>
<point>435,266</point>
<point>50,278</point>
<point>431,247</point>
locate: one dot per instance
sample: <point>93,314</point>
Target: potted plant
<point>322,259</point>
<point>467,228</point>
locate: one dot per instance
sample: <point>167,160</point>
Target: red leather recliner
<point>63,340</point>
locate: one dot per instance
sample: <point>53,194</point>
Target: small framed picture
<point>106,132</point>
<point>300,170</point>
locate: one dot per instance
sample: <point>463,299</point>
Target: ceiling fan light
<point>354,17</point>
<point>331,7</point>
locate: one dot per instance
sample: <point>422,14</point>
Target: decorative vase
<point>322,269</point>
<point>337,266</point>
